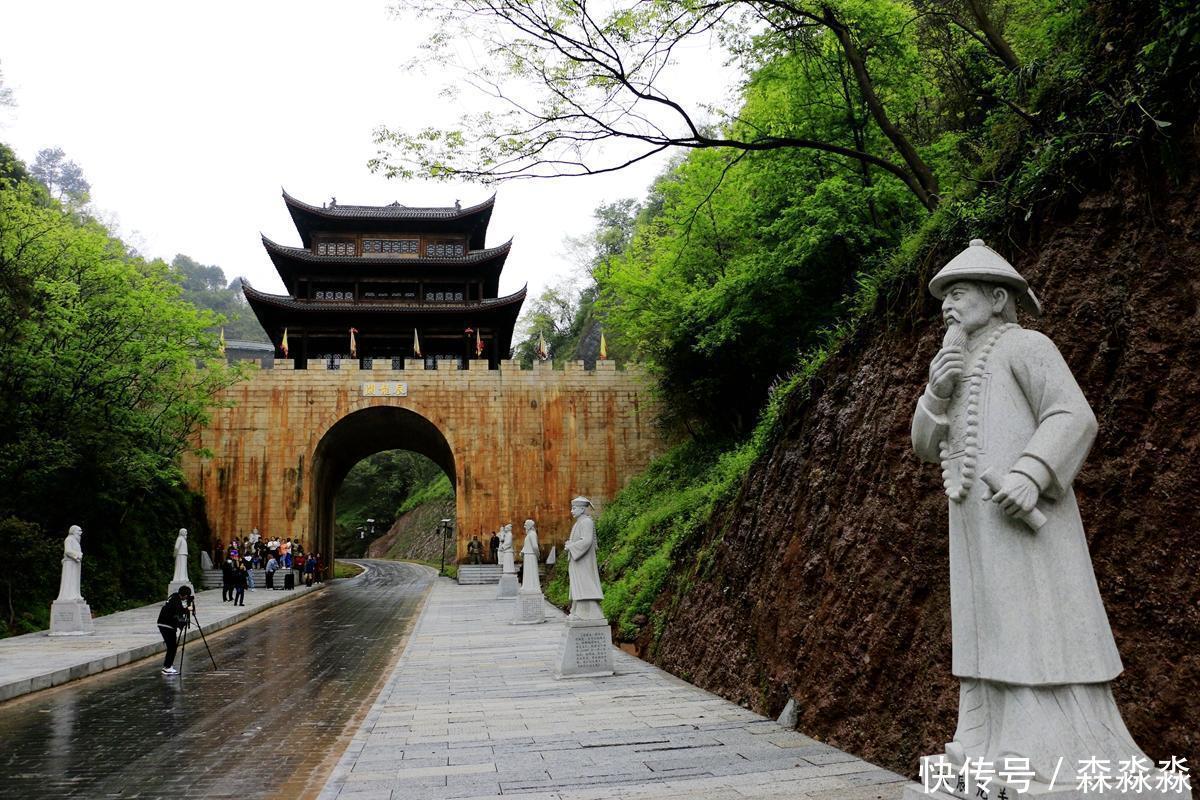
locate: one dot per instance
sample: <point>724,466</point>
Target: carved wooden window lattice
<point>402,247</point>
<point>333,295</point>
<point>343,248</point>
<point>444,249</point>
<point>442,297</point>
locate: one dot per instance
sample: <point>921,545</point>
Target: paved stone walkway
<point>36,661</point>
<point>268,721</point>
<point>472,710</point>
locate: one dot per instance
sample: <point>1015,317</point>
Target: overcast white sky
<point>188,118</point>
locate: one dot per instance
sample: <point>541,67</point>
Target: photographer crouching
<point>172,619</point>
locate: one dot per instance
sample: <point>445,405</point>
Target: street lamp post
<point>445,526</point>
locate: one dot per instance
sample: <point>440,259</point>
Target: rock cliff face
<point>828,579</point>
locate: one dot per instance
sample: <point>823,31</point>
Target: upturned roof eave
<point>286,303</point>
<point>292,263</point>
<point>307,217</point>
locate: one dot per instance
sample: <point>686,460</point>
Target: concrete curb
<point>103,663</point>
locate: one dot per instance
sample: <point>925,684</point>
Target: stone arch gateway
<point>516,443</point>
<point>360,434</point>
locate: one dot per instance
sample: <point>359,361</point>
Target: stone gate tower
<point>429,374</point>
<point>410,282</point>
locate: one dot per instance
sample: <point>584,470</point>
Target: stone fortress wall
<point>517,443</point>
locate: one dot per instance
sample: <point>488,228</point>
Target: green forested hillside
<point>805,556</point>
<point>107,371</point>
<point>745,269</point>
<point>382,487</point>
<point>205,286</point>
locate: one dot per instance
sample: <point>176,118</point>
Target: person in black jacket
<point>228,573</point>
<point>171,619</point>
<point>240,579</point>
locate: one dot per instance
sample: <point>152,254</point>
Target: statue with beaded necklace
<point>1010,427</point>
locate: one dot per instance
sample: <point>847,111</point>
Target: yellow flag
<point>283,344</point>
<point>543,352</point>
<point>603,347</point>
<point>353,344</point>
<point>416,344</point>
<point>222,341</point>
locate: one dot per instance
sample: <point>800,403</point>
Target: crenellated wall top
<point>476,368</point>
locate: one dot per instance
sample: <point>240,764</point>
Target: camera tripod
<point>191,608</point>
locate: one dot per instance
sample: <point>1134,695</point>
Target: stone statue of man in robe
<point>1010,427</point>
<point>70,614</point>
<point>181,554</point>
<point>586,649</point>
<point>584,571</point>
<point>72,566</point>
<point>507,559</point>
<point>530,582</point>
<point>180,578</point>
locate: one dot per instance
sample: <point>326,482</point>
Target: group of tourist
<point>238,561</point>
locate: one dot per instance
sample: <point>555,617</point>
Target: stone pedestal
<point>70,618</point>
<point>206,560</point>
<point>173,587</point>
<point>586,651</point>
<point>508,585</point>
<point>530,608</point>
<point>1065,788</point>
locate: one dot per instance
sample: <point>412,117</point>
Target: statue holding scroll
<point>584,571</point>
<point>586,650</point>
<point>1010,427</point>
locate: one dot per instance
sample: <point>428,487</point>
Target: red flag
<point>478,345</point>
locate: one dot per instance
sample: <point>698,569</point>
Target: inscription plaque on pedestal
<point>586,650</point>
<point>529,609</point>
<point>70,618</point>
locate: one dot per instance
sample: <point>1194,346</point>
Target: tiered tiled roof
<point>283,301</point>
<point>293,263</point>
<point>394,218</point>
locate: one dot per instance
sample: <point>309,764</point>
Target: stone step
<point>478,574</point>
<point>211,578</point>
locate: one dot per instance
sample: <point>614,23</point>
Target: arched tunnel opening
<point>358,436</point>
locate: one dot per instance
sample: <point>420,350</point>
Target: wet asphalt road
<point>266,723</point>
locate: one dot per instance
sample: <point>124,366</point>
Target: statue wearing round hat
<point>1010,427</point>
<point>584,570</point>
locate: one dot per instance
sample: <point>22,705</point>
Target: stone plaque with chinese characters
<point>384,389</point>
<point>591,649</point>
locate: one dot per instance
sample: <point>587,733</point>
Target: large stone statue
<point>508,564</point>
<point>70,615</point>
<point>587,646</point>
<point>180,578</point>
<point>1010,427</point>
<point>530,605</point>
